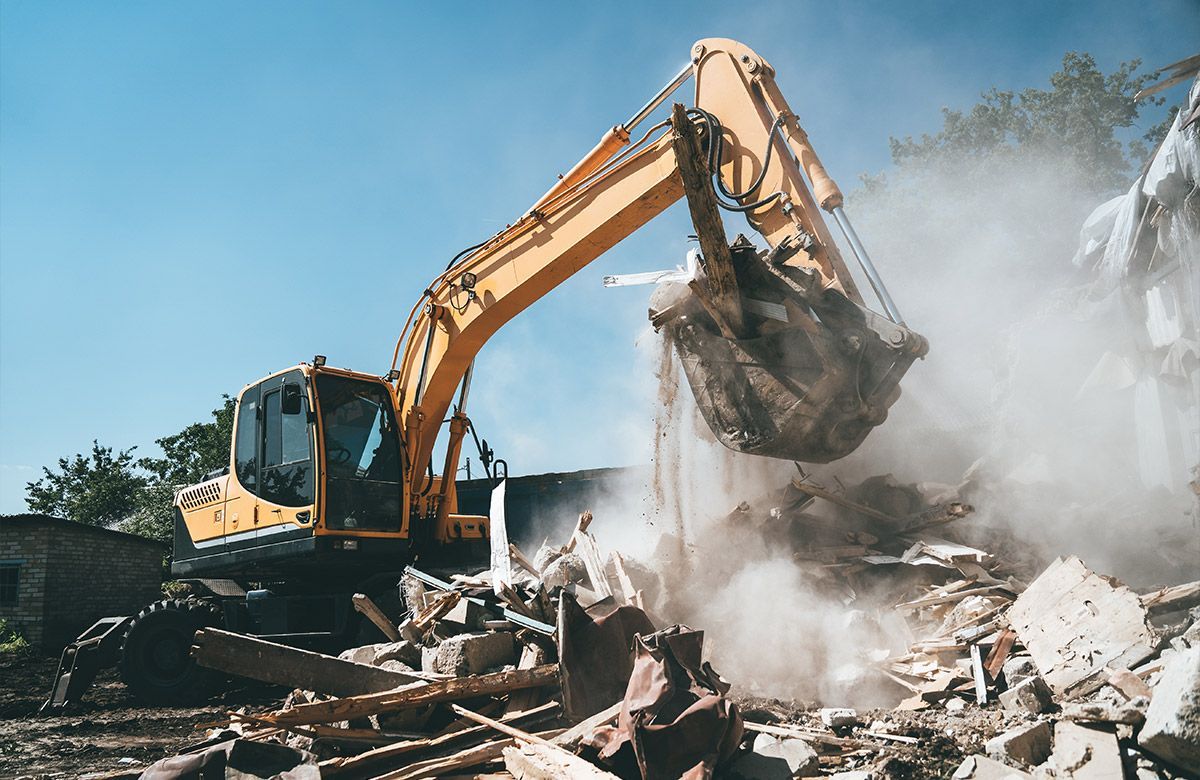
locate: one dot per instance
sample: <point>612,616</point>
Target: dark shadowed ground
<point>108,732</point>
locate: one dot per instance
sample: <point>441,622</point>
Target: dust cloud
<point>980,262</point>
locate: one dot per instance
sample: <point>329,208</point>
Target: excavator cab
<point>315,483</point>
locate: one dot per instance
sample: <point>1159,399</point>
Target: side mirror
<point>292,401</point>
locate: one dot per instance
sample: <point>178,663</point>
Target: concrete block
<point>405,652</point>
<point>776,758</point>
<point>469,653</point>
<point>1017,669</point>
<point>1086,752</point>
<point>564,570</point>
<point>1172,728</point>
<point>1028,745</point>
<point>360,655</point>
<point>1032,695</point>
<point>984,768</point>
<point>839,717</point>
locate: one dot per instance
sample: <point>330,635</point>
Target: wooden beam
<point>589,551</point>
<point>412,696</point>
<point>833,498</point>
<point>269,662</point>
<point>381,758</point>
<point>363,603</point>
<point>586,726</point>
<point>581,525</point>
<point>544,761</point>
<point>1172,599</point>
<point>722,285</point>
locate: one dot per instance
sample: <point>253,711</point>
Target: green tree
<point>106,489</point>
<point>100,489</point>
<point>1076,121</point>
<point>187,457</point>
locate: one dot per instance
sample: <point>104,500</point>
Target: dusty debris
<point>560,671</point>
<point>1172,728</point>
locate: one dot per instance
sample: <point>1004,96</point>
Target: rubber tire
<point>156,662</point>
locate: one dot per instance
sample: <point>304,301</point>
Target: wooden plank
<point>722,286</point>
<point>503,728</point>
<point>834,498</point>
<point>632,595</point>
<point>463,759</point>
<point>412,696</point>
<point>978,673</point>
<point>532,656</point>
<point>589,551</point>
<point>522,561</point>
<point>586,726</point>
<point>269,662</point>
<point>1172,599</point>
<point>999,654</point>
<point>544,761</point>
<point>363,603</point>
<point>381,758</point>
<point>581,526</point>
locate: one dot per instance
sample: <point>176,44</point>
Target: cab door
<point>286,475</point>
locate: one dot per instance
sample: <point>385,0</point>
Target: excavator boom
<point>782,355</point>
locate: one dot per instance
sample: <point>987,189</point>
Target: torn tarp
<point>595,651</point>
<point>675,721</point>
<point>238,758</point>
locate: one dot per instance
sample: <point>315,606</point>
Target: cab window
<point>287,472</point>
<point>246,441</point>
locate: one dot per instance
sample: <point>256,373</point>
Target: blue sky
<point>195,194</point>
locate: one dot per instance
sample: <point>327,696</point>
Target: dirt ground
<point>109,732</point>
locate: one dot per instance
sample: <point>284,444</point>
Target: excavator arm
<point>758,396</point>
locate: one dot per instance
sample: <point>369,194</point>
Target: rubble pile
<point>556,665</point>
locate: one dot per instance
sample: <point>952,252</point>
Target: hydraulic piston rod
<point>868,267</point>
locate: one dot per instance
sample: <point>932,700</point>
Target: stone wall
<point>75,574</point>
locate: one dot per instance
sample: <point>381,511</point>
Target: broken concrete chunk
<point>776,757</point>
<point>983,768</point>
<point>468,654</point>
<point>1019,668</point>
<point>405,652</point>
<point>839,717</point>
<point>397,666</point>
<point>361,655</point>
<point>1075,623</point>
<point>854,774</point>
<point>1128,684</point>
<point>564,570</point>
<point>1132,712</point>
<point>1172,729</point>
<point>1028,745</point>
<point>1032,695</point>
<point>1086,752</point>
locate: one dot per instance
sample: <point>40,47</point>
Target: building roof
<point>26,520</point>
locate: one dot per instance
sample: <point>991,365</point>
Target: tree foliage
<point>136,495</point>
<point>96,489</point>
<point>1076,121</point>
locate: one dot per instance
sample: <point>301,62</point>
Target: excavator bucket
<point>814,374</point>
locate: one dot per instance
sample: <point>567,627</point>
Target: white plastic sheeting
<point>1158,281</point>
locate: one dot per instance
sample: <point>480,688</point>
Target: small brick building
<point>58,577</point>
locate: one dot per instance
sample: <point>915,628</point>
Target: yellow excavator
<point>331,487</point>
